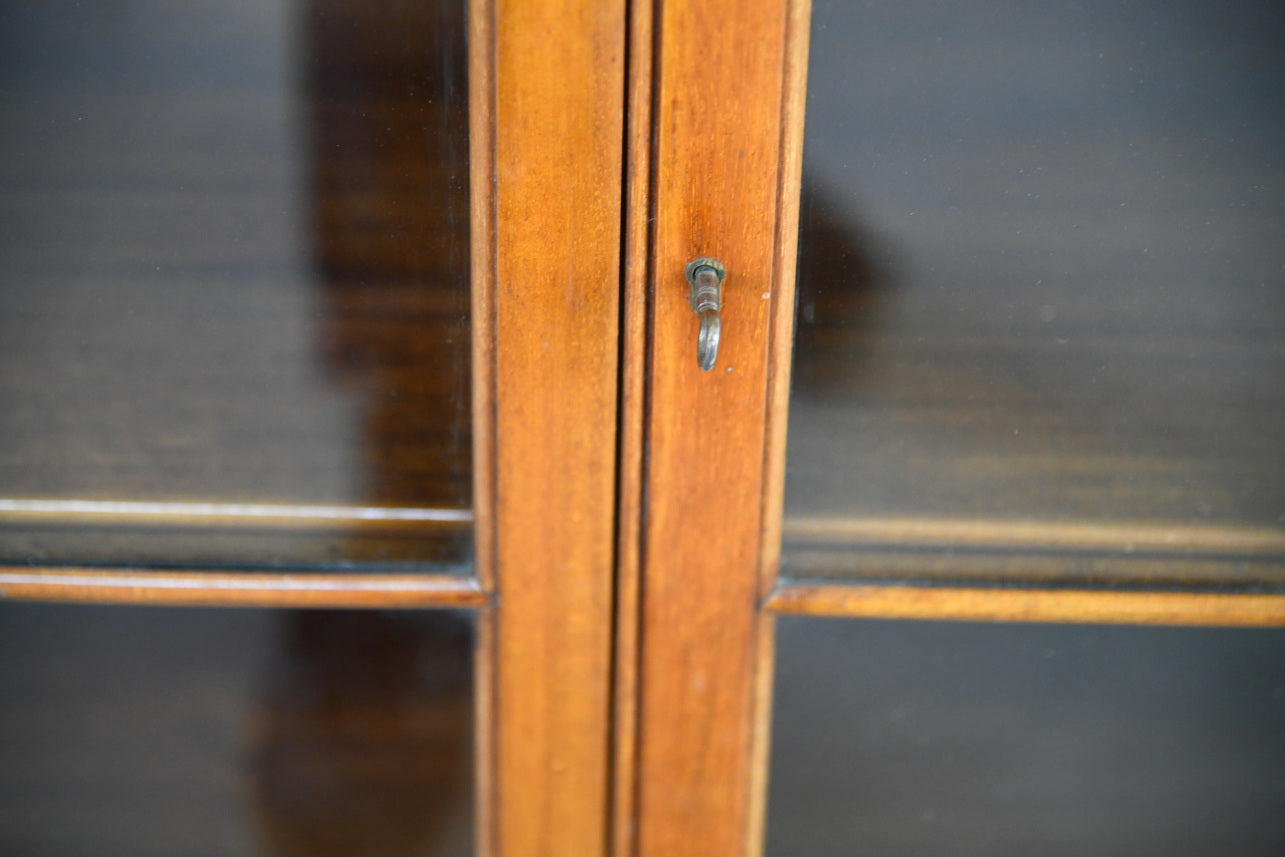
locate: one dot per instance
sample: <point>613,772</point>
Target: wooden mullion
<point>238,589</point>
<point>723,166</point>
<point>786,242</point>
<point>553,117</point>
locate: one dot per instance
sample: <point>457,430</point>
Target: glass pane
<point>234,283</point>
<point>920,739</point>
<point>1041,319</point>
<point>144,731</point>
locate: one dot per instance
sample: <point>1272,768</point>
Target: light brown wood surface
<point>1028,605</point>
<point>780,352</point>
<point>716,183</point>
<point>238,589</point>
<point>781,333</point>
<point>559,83</point>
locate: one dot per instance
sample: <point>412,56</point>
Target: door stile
<point>780,352</point>
<point>547,162</point>
<point>781,330</point>
<point>725,156</point>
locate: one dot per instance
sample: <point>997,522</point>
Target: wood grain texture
<point>237,589</point>
<point>781,332</point>
<point>1028,605</point>
<point>780,351</point>
<point>559,131</point>
<point>717,141</point>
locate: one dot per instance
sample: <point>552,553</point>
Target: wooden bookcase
<point>627,507</point>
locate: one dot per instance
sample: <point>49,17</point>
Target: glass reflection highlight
<point>1040,282</point>
<point>234,271</point>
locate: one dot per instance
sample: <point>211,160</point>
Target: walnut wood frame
<point>721,92</point>
<point>547,136</point>
<point>600,448</point>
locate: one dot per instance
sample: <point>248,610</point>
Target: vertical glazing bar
<point>554,145</point>
<point>722,166</point>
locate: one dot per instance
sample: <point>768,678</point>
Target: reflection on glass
<point>139,731</point>
<point>234,283</point>
<point>1042,293</point>
<point>899,738</point>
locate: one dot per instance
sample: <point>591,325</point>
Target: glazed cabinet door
<point>1015,286</point>
<point>312,308</point>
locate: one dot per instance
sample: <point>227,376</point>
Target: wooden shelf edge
<point>934,532</point>
<point>233,589</point>
<point>1028,605</point>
